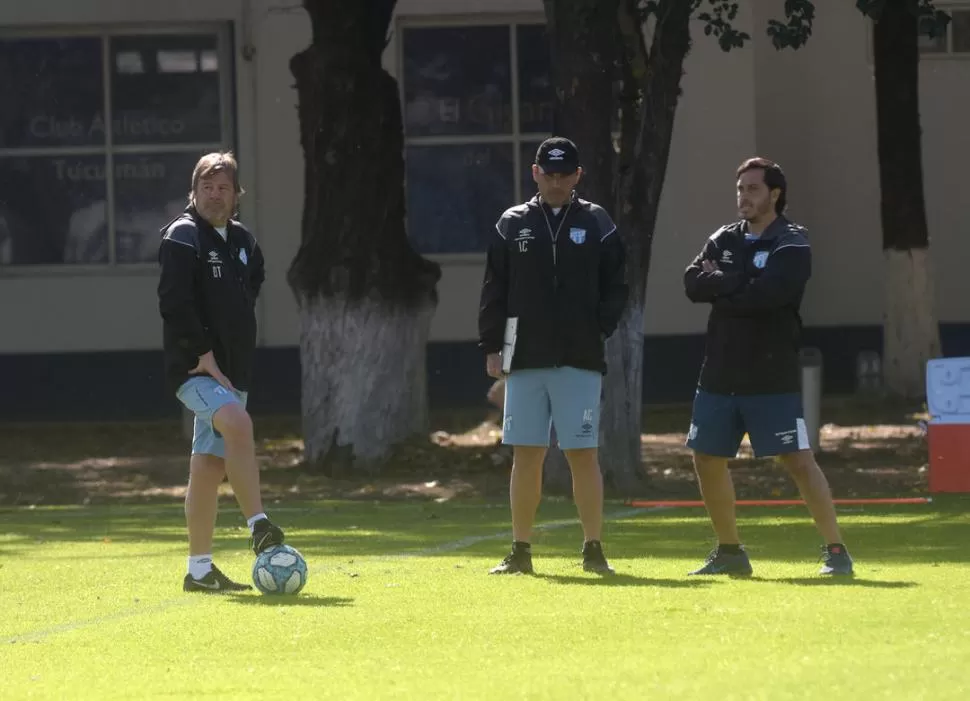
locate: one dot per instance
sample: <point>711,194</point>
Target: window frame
<point>947,55</point>
<point>225,49</point>
<point>515,138</point>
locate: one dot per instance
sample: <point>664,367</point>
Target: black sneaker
<point>519,561</point>
<point>593,558</point>
<point>836,560</point>
<point>718,562</point>
<point>213,581</point>
<point>265,535</point>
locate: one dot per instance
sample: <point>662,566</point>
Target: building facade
<point>105,106</point>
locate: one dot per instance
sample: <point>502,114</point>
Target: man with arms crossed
<point>555,264</point>
<point>211,274</point>
<point>753,274</point>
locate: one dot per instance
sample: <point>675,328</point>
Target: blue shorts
<point>203,396</point>
<point>566,397</point>
<point>775,424</point>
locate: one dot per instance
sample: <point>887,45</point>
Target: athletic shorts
<point>203,396</point>
<point>775,424</point>
<point>566,397</point>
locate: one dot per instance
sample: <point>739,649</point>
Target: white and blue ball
<point>280,569</point>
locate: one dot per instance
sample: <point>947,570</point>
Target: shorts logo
<point>507,426</point>
<point>786,437</point>
<point>692,433</point>
<point>587,425</point>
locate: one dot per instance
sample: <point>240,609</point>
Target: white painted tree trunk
<point>911,335</point>
<point>620,451</point>
<point>364,380</point>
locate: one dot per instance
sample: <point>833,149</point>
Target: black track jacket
<point>754,328</point>
<point>206,295</point>
<point>562,276</point>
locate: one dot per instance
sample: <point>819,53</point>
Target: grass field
<point>398,605</point>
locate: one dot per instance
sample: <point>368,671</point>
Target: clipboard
<point>508,345</point>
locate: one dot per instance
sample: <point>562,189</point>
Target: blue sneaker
<point>836,560</point>
<point>726,563</point>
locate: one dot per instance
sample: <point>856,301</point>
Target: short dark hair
<point>774,178</point>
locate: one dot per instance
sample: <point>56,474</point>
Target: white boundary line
<point>38,635</point>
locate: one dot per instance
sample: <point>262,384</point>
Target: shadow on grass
<point>843,582</point>
<point>289,600</point>
<point>624,580</point>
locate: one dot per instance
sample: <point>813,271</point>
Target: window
<point>955,41</point>
<point>99,139</point>
<point>477,102</point>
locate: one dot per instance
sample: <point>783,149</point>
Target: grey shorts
<point>568,398</point>
<point>203,396</point>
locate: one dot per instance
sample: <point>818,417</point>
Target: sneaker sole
<point>205,590</point>
<point>270,542</point>
<point>507,572</point>
<point>720,574</point>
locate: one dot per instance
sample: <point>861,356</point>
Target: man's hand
<point>708,266</point>
<point>493,365</point>
<point>208,366</point>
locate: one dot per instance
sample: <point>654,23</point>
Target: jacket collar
<point>537,200</point>
<point>203,224</point>
<point>773,230</point>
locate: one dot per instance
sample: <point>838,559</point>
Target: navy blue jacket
<point>754,327</point>
<point>207,297</point>
<point>562,276</point>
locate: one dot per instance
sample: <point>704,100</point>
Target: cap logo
<point>556,154</point>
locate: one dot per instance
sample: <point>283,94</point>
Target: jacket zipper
<point>555,239</point>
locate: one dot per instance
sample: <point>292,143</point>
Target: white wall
<point>816,115</point>
<point>714,131</point>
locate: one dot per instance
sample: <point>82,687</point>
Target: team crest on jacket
<point>577,235</point>
<point>760,259</point>
<point>243,258</point>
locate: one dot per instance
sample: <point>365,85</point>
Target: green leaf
<point>795,31</point>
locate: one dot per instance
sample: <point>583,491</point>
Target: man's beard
<point>757,214</point>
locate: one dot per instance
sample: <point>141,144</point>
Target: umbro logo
<point>556,154</point>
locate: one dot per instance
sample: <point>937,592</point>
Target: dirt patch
<point>462,457</point>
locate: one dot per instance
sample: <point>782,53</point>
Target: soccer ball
<point>280,570</point>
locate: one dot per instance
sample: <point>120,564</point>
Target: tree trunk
<point>910,332</point>
<point>364,363</point>
<point>649,104</point>
<point>911,336</point>
<point>583,53</point>
<point>582,38</point>
<point>365,296</point>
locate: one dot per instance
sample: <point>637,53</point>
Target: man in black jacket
<point>553,292</point>
<point>211,273</point>
<point>753,274</point>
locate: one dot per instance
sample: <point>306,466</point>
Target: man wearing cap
<point>553,292</point>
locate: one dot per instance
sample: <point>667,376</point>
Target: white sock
<point>200,565</point>
<point>253,519</point>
